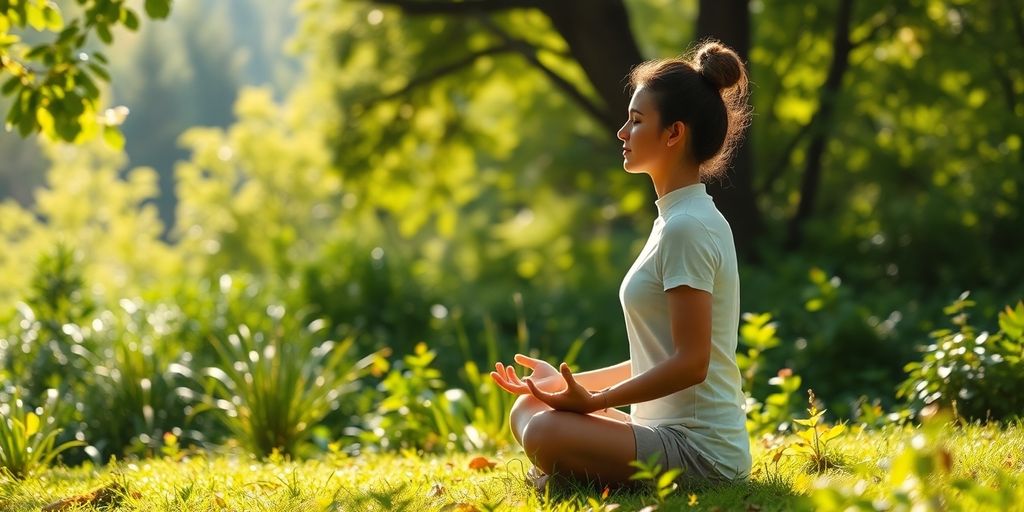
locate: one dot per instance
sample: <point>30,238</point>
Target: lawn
<point>971,467</point>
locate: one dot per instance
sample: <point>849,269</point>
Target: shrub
<point>273,386</point>
<point>977,374</point>
<point>28,438</point>
<point>128,400</point>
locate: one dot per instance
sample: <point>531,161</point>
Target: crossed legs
<point>588,446</point>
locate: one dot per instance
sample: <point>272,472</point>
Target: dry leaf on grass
<point>481,463</point>
<point>435,491</point>
<point>106,496</point>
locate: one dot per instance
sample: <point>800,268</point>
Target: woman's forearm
<point>671,375</point>
<point>601,378</point>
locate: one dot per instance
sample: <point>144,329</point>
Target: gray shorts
<point>675,451</point>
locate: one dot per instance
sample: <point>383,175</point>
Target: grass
<point>990,457</point>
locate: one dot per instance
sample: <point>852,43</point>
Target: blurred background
<point>440,183</point>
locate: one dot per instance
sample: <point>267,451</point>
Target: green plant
<point>775,413</point>
<point>663,482</point>
<point>978,375</point>
<point>416,412</point>
<point>816,437</point>
<point>28,438</point>
<point>128,400</point>
<point>44,335</point>
<point>272,387</point>
<point>758,333</point>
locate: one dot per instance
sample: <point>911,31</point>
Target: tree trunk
<point>822,124</point>
<point>729,22</point>
<point>606,59</point>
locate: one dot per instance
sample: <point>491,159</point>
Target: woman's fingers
<point>510,374</point>
<point>542,396</point>
<point>503,384</point>
<point>567,374</point>
<point>525,360</point>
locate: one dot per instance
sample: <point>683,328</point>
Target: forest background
<point>408,175</point>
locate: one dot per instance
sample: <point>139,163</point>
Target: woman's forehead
<point>641,100</point>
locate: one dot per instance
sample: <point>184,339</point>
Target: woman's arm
<point>601,378</point>
<point>690,311</point>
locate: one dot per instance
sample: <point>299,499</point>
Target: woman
<point>680,300</point>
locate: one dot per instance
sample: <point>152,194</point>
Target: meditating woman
<point>680,300</point>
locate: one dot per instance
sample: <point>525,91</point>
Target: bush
<point>977,374</point>
<point>128,400</point>
<point>271,387</point>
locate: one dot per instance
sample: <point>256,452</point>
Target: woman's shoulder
<point>689,222</point>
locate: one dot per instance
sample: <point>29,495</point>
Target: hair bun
<point>719,65</point>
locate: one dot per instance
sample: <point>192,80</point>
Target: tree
<point>605,61</point>
<point>54,83</point>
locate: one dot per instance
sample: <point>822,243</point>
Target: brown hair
<point>706,89</point>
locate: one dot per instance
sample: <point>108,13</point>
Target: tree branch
<point>528,51</point>
<point>412,7</point>
<point>1017,19</point>
<point>842,46</point>
<point>787,154</point>
<point>442,71</point>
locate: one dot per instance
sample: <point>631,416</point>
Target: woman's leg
<point>583,445</point>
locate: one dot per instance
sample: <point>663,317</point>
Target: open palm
<point>543,375</point>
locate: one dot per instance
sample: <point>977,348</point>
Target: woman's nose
<point>622,134</point>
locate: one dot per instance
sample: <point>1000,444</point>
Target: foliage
<point>28,438</point>
<point>128,400</point>
<point>758,333</point>
<point>54,83</point>
<point>975,374</point>
<point>418,411</point>
<point>921,476</point>
<point>663,482</point>
<point>816,438</point>
<point>272,386</point>
<point>43,335</point>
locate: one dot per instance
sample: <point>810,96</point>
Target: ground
<point>893,468</point>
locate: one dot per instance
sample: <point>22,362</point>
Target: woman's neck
<point>675,178</point>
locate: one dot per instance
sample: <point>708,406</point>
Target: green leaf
<point>810,422</point>
<point>130,19</point>
<point>158,8</point>
<point>99,71</point>
<point>54,20</point>
<point>67,34</point>
<point>833,433</point>
<point>114,137</point>
<point>31,424</point>
<point>10,85</point>
<point>35,16</point>
<point>104,33</point>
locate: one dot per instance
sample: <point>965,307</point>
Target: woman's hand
<point>574,398</point>
<point>544,375</point>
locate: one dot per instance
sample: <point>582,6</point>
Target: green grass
<point>990,457</point>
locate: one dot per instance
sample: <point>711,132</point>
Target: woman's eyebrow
<point>635,110</point>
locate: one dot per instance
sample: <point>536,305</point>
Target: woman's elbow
<point>700,374</point>
<point>699,370</point>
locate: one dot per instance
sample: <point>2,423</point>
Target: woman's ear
<point>676,133</point>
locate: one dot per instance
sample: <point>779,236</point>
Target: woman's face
<point>643,139</point>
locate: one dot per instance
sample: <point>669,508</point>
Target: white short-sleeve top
<point>691,245</point>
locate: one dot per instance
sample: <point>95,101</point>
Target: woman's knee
<point>541,439</point>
